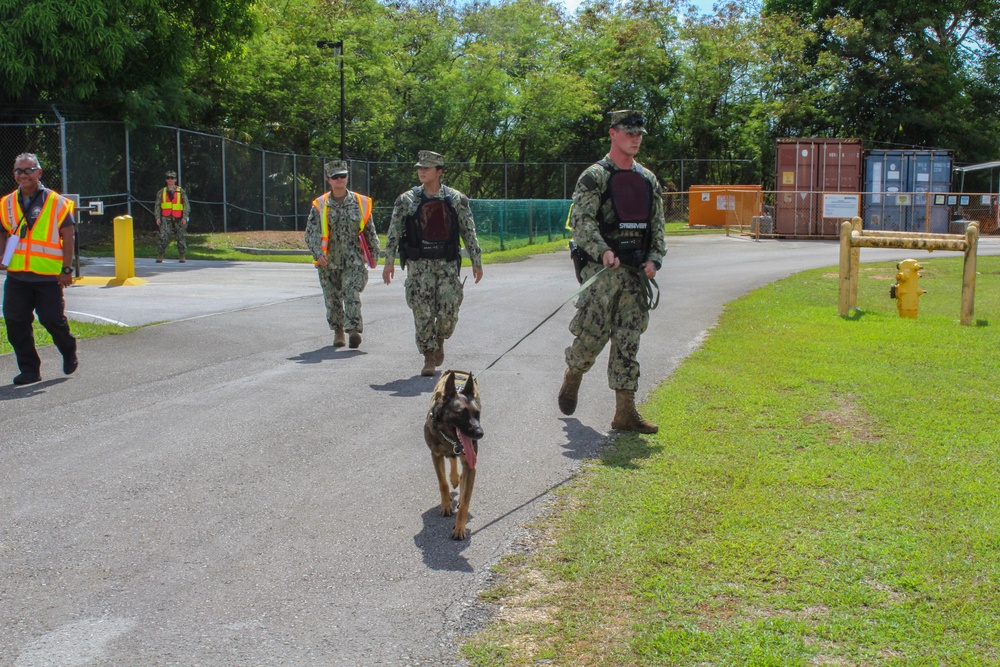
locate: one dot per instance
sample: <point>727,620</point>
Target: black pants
<point>21,299</point>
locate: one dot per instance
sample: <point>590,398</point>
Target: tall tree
<point>921,73</point>
<point>126,59</point>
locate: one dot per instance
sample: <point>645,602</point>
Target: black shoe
<point>27,378</point>
<point>70,364</point>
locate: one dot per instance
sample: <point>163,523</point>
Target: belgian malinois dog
<point>452,431</point>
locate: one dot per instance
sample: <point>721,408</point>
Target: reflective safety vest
<point>171,208</point>
<point>39,249</point>
<point>322,204</point>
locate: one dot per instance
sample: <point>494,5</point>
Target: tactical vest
<point>40,248</point>
<point>171,208</point>
<point>630,232</point>
<point>431,232</point>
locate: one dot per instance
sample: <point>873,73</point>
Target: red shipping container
<point>806,169</point>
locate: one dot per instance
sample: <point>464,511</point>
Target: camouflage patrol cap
<point>171,174</point>
<point>628,120</point>
<point>336,167</point>
<point>429,159</point>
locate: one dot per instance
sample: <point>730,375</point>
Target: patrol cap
<point>335,168</point>
<point>429,159</point>
<point>171,174</point>
<point>628,120</point>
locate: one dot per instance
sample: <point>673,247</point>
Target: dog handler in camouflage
<point>617,220</point>
<point>344,244</point>
<point>426,224</point>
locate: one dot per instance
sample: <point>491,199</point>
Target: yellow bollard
<point>124,249</point>
<point>907,291</point>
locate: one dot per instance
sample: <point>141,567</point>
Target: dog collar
<point>453,442</point>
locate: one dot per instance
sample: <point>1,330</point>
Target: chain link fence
<point>235,187</point>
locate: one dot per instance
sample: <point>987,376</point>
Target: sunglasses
<point>30,170</point>
<point>337,177</point>
<point>171,178</point>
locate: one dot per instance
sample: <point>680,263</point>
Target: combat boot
<point>569,391</point>
<point>627,418</point>
<point>182,260</point>
<point>439,353</point>
<point>428,369</point>
<point>354,339</point>
<point>159,258</point>
<point>338,337</point>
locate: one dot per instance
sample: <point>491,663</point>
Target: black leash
<point>648,284</point>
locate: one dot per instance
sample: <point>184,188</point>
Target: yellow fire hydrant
<point>906,291</point>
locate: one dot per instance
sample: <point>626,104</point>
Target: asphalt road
<point>225,488</point>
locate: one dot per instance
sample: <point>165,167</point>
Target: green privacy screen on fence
<point>511,223</point>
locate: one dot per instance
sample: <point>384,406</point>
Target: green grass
<point>79,329</point>
<point>822,491</point>
<point>223,246</point>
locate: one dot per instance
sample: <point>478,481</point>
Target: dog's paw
<point>446,510</point>
<point>460,533</point>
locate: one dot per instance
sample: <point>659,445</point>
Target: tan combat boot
<point>355,339</point>
<point>181,255</point>
<point>338,337</point>
<point>569,391</point>
<point>428,369</point>
<point>627,418</point>
<point>439,353</point>
<point>159,258</point>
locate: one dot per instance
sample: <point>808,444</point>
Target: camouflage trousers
<point>613,308</point>
<point>342,293</point>
<point>434,294</point>
<point>169,228</point>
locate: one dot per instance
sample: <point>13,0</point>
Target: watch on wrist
<point>67,270</point>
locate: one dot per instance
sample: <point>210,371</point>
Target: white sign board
<point>841,206</point>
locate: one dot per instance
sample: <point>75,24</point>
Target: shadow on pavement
<point>12,392</point>
<point>413,386</point>
<point>439,550</point>
<point>328,353</point>
<point>582,442</point>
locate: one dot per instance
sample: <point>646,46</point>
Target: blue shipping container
<point>896,185</point>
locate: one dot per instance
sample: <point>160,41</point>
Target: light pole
<point>338,48</point>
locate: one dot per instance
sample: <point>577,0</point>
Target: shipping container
<point>899,186</point>
<point>810,176</point>
<point>719,205</point>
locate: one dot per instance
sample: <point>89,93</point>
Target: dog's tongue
<point>467,446</point>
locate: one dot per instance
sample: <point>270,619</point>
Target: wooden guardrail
<point>853,238</point>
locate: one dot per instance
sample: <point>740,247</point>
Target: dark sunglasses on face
<point>30,170</point>
<point>337,177</point>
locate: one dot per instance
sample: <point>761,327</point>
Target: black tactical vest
<point>431,232</point>
<point>629,234</point>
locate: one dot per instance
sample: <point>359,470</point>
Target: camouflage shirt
<point>344,219</point>
<point>406,205</point>
<point>587,200</point>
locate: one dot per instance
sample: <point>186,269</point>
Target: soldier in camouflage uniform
<point>426,224</point>
<point>172,212</point>
<point>344,248</point>
<point>619,226</point>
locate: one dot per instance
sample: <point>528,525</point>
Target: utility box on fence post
<point>124,248</point>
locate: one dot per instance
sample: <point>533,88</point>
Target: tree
<point>124,59</point>
<point>921,73</point>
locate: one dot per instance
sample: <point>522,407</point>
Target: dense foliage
<point>523,80</point>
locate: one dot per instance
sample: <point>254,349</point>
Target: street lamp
<point>338,48</point>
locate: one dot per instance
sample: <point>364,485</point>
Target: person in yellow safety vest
<point>36,247</point>
<point>173,210</point>
<point>344,244</point>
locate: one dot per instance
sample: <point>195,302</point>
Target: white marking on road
<point>98,317</point>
